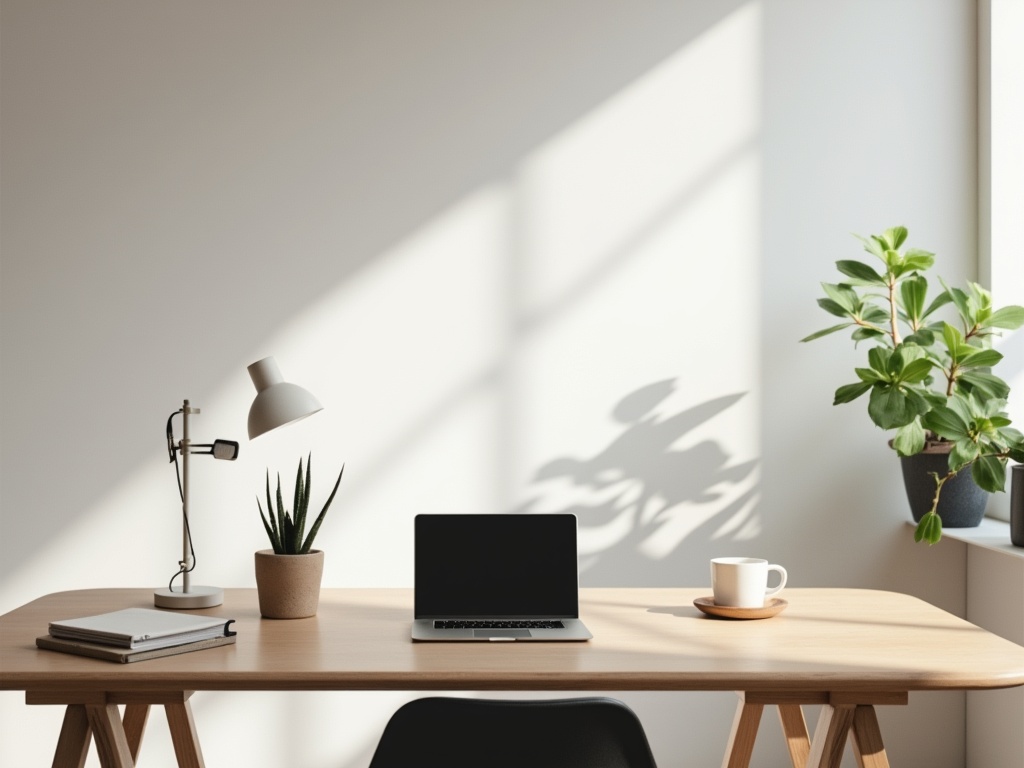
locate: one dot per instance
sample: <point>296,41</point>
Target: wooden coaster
<point>771,608</point>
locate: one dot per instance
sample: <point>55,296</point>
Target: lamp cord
<point>173,451</point>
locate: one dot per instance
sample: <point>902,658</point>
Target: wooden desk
<point>846,649</point>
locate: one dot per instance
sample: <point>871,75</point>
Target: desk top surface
<point>849,640</point>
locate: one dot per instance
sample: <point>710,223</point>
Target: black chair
<point>443,732</point>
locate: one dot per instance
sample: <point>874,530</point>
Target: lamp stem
<point>191,596</point>
<point>186,550</point>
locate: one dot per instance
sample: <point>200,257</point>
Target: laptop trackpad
<point>510,634</point>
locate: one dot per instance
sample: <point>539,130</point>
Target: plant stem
<point>939,482</point>
<point>893,315</point>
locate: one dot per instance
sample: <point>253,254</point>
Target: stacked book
<point>135,634</point>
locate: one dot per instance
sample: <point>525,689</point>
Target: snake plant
<point>287,530</point>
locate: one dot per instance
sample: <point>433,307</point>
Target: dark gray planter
<point>1017,505</point>
<point>962,502</point>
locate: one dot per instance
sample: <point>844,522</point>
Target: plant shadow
<point>658,498</point>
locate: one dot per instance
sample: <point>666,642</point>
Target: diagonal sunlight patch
<point>495,341</point>
<point>593,187</point>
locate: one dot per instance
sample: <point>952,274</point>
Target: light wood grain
<point>794,729</point>
<point>845,649</point>
<point>74,739</point>
<point>183,735</point>
<point>108,733</point>
<point>830,737</point>
<point>867,739</point>
<point>740,747</point>
<point>134,722</point>
<point>827,640</point>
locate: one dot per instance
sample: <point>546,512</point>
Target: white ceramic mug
<point>742,582</point>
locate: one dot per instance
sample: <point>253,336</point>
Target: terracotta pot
<point>961,503</point>
<point>289,585</point>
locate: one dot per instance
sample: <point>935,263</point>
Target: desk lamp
<point>277,403</point>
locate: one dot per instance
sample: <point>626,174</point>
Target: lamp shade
<point>277,402</point>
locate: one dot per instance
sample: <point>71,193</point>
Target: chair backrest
<point>444,732</point>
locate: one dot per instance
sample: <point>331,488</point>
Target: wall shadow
<point>653,503</point>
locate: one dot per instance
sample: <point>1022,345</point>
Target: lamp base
<point>196,597</point>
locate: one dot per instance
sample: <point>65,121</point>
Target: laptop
<point>509,577</point>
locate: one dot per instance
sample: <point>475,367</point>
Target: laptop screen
<point>496,566</point>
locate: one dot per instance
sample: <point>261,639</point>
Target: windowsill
<point>991,534</point>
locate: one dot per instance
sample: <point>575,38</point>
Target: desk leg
<point>135,717</point>
<point>96,714</point>
<point>794,727</point>
<point>867,739</point>
<point>830,736</point>
<point>183,735</point>
<point>744,731</point>
<point>108,731</point>
<point>841,713</point>
<point>75,735</point>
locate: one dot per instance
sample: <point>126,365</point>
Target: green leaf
<point>954,341</point>
<point>1013,436</point>
<point>275,540</point>
<point>963,453</point>
<point>890,407</point>
<point>939,301</point>
<point>872,314</point>
<point>965,407</point>
<point>833,308</point>
<point>866,333</point>
<point>894,237</point>
<point>916,371</point>
<point>909,439</point>
<point>872,245</point>
<point>894,261</point>
<point>981,358</point>
<point>917,260</point>
<point>826,332</point>
<point>298,522</point>
<point>878,358</point>
<point>913,292</point>
<point>282,514</point>
<point>1010,318</point>
<point>986,384</point>
<point>289,535</point>
<point>963,305</point>
<point>850,392</point>
<point>929,529</point>
<point>870,375</point>
<point>843,295</point>
<point>320,518</point>
<point>860,271</point>
<point>989,473</point>
<point>923,338</point>
<point>301,500</point>
<point>944,421</point>
<point>908,353</point>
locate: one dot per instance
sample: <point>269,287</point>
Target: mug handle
<point>782,581</point>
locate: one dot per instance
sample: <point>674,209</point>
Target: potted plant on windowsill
<point>927,379</point>
<point>288,575</point>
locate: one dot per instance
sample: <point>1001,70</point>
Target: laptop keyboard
<point>503,624</point>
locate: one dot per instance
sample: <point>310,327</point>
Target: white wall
<point>532,256</point>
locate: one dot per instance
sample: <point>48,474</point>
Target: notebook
<point>508,577</point>
<point>141,628</point>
